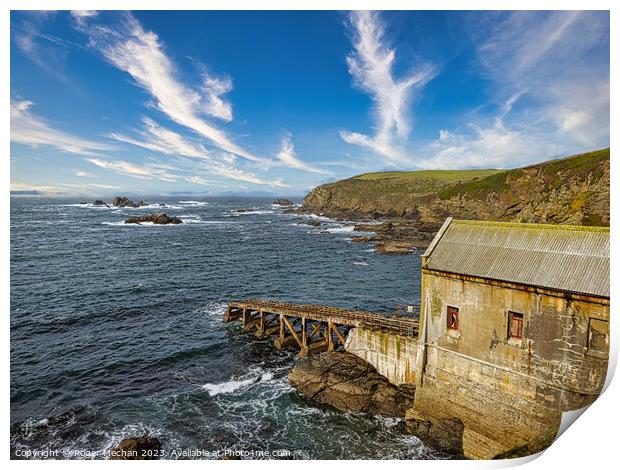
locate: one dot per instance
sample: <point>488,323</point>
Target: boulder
<point>313,223</point>
<point>137,448</point>
<point>159,218</point>
<point>125,202</point>
<point>283,202</point>
<point>99,202</point>
<point>442,434</point>
<point>348,383</point>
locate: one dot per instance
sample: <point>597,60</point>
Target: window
<point>453,318</point>
<point>515,325</point>
<point>598,336</point>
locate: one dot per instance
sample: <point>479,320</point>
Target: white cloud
<point>84,174</point>
<point>288,157</point>
<point>148,171</point>
<point>213,88</point>
<point>555,60</point>
<point>371,66</point>
<point>140,53</point>
<point>160,139</point>
<point>29,129</point>
<point>548,61</point>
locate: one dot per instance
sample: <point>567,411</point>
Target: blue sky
<point>279,102</point>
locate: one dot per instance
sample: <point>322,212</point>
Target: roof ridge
<point>581,228</point>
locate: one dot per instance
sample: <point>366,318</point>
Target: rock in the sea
<point>99,202</point>
<point>442,434</point>
<point>157,218</point>
<point>137,448</point>
<point>283,202</point>
<point>313,223</point>
<point>349,383</point>
<point>394,248</point>
<point>125,202</point>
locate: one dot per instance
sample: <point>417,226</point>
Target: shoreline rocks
<point>137,448</point>
<point>125,202</point>
<point>283,202</point>
<point>159,218</point>
<point>99,202</point>
<point>348,383</point>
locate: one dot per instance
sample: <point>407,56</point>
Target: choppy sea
<point>116,330</point>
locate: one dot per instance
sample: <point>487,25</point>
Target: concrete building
<point>514,330</point>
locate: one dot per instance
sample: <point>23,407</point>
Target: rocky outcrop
<point>137,448</point>
<point>312,223</point>
<point>283,202</point>
<point>125,202</point>
<point>572,190</point>
<point>348,383</point>
<point>442,434</point>
<point>159,218</point>
<point>99,202</point>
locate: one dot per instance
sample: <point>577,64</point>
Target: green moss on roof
<point>576,228</point>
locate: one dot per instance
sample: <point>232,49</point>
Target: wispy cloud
<point>287,156</point>
<point>371,66</point>
<point>551,91</point>
<point>140,53</point>
<point>160,139</point>
<point>29,129</point>
<point>213,88</point>
<point>147,171</point>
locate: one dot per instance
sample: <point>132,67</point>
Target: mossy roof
<point>560,257</point>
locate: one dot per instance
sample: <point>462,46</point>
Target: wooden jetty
<point>312,328</point>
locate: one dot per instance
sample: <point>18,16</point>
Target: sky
<point>279,102</point>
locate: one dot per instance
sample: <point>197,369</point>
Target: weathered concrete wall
<point>393,356</point>
<point>508,393</point>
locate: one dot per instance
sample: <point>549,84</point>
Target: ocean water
<point>116,330</point>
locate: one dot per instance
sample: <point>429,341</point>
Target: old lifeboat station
<point>513,330</point>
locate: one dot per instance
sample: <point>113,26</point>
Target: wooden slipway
<point>312,328</point>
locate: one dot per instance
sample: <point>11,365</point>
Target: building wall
<point>508,393</point>
<point>393,356</point>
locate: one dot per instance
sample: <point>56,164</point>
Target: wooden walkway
<point>312,328</point>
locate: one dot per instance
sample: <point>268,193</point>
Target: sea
<point>117,331</point>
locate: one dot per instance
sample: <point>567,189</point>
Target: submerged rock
<point>442,434</point>
<point>125,202</point>
<point>137,448</point>
<point>283,202</point>
<point>313,223</point>
<point>348,383</point>
<point>157,218</point>
<point>394,248</point>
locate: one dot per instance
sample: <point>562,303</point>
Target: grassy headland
<point>571,190</point>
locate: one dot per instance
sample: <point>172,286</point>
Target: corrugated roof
<point>562,257</point>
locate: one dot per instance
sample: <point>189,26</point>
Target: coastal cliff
<point>572,190</point>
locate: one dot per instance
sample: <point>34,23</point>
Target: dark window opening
<point>598,335</point>
<point>515,325</point>
<point>453,318</point>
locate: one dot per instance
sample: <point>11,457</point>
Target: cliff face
<point>572,190</point>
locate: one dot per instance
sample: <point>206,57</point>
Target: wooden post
<point>330,341</point>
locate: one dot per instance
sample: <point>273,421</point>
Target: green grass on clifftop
<point>443,175</point>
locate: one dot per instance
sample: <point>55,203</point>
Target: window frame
<point>521,321</point>
<point>450,311</point>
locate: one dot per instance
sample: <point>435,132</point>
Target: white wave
<point>141,224</point>
<point>237,213</point>
<point>360,263</point>
<point>339,229</point>
<point>234,385</point>
<point>88,205</point>
<point>194,203</point>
